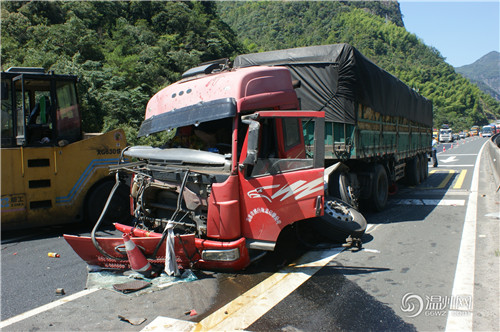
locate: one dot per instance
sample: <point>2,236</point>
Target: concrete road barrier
<point>493,156</point>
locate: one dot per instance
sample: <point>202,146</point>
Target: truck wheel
<point>413,171</point>
<point>339,222</point>
<point>118,209</point>
<point>341,187</point>
<point>424,171</point>
<point>380,188</point>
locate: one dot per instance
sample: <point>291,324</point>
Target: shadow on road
<point>330,302</point>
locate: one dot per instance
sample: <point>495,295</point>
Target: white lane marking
<point>371,228</point>
<point>161,323</point>
<point>461,319</point>
<point>253,304</point>
<point>444,166</point>
<point>243,311</point>
<point>449,159</point>
<point>493,215</point>
<point>45,307</point>
<point>375,251</point>
<point>440,202</point>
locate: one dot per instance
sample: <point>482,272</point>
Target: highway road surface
<point>430,261</point>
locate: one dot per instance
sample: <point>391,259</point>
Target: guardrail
<point>493,149</point>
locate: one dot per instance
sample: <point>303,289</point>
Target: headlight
<point>221,255</point>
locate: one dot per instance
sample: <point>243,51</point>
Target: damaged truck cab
<point>238,191</point>
<point>256,149</point>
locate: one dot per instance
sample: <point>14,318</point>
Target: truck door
<point>285,181</point>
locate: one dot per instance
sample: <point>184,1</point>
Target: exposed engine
<point>157,186</point>
<point>156,200</point>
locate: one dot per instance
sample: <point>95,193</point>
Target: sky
<point>462,31</point>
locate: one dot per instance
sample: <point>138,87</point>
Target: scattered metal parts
<point>354,243</point>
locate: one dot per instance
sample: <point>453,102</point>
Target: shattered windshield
<point>213,136</point>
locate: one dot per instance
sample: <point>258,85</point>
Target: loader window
<point>7,123</point>
<point>20,117</point>
<point>34,121</point>
<point>281,147</point>
<point>68,112</point>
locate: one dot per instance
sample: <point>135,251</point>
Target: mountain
<point>125,51</point>
<point>376,29</point>
<point>271,25</point>
<point>485,72</point>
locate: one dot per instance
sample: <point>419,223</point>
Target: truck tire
<point>339,221</point>
<point>380,188</point>
<point>413,171</point>
<point>118,210</point>
<point>424,171</point>
<point>340,186</point>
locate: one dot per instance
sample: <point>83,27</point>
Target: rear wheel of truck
<point>380,188</point>
<point>339,222</point>
<point>424,170</point>
<point>413,171</point>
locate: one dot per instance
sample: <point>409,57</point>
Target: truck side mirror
<point>253,140</point>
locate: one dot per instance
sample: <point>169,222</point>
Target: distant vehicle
<point>474,131</point>
<point>487,131</point>
<point>52,172</point>
<point>456,137</point>
<point>495,128</point>
<point>462,134</point>
<point>445,135</point>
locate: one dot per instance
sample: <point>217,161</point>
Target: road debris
<point>191,312</point>
<point>133,320</point>
<point>131,286</point>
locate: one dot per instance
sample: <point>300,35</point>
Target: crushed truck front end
<point>234,175</point>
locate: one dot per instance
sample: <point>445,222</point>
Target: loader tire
<point>118,210</point>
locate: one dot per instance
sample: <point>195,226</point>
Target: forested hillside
<point>374,28</point>
<point>485,72</point>
<point>124,52</point>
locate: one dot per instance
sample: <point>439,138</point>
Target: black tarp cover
<point>334,78</point>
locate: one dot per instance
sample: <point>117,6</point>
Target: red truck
<point>237,173</point>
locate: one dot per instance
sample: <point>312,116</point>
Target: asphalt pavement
<point>406,277</point>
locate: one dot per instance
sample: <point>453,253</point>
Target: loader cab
<point>38,108</point>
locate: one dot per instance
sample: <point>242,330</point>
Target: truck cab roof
<point>215,96</point>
